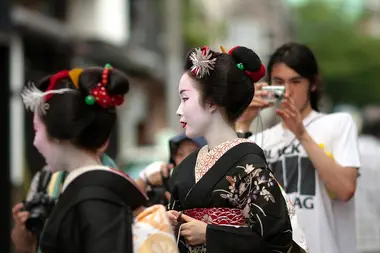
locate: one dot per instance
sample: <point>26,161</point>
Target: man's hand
<point>244,122</point>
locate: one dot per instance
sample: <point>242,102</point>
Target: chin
<point>191,134</point>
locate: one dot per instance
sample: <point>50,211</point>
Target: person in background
<point>25,241</point>
<point>153,178</point>
<point>314,156</point>
<point>74,115</point>
<point>367,194</point>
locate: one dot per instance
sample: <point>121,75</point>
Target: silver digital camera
<point>276,93</point>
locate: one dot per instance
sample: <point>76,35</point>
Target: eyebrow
<point>292,78</point>
<point>182,91</point>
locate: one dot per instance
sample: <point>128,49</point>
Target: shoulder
<point>339,117</point>
<point>337,121</point>
<point>341,123</point>
<point>105,182</point>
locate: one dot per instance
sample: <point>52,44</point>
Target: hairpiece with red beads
<point>100,94</point>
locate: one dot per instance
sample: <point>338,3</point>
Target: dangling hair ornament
<point>202,62</point>
<point>100,95</point>
<point>36,100</point>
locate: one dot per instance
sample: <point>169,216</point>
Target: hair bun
<point>253,66</point>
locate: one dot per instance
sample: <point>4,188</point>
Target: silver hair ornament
<point>34,99</point>
<point>202,62</point>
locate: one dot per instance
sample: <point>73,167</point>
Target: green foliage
<point>348,58</point>
<point>198,31</point>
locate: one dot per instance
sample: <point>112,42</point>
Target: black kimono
<point>232,189</point>
<point>93,215</point>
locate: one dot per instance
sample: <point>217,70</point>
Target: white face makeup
<point>194,118</point>
<point>51,150</point>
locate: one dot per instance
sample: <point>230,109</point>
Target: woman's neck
<point>219,132</point>
<point>77,158</point>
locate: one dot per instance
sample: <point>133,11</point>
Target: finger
<point>17,208</point>
<point>259,102</point>
<point>185,232</point>
<point>187,218</point>
<point>291,114</point>
<point>172,217</point>
<point>289,107</point>
<point>261,93</point>
<point>23,216</point>
<point>282,114</point>
<point>173,212</point>
<point>259,86</point>
<point>186,226</point>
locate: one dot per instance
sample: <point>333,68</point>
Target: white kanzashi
<point>34,99</point>
<point>202,62</point>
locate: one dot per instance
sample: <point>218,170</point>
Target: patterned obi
<point>218,216</point>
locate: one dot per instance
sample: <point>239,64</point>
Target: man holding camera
<point>25,236</point>
<point>314,156</point>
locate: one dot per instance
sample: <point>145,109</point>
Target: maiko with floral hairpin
<point>74,114</point>
<point>224,196</point>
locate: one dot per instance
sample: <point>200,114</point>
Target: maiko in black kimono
<point>93,215</point>
<point>231,188</point>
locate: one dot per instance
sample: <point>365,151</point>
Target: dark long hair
<point>301,59</point>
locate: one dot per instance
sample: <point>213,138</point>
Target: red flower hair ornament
<point>36,100</point>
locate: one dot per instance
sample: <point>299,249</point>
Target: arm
<point>265,209</point>
<point>340,180</point>
<point>339,174</point>
<point>105,226</point>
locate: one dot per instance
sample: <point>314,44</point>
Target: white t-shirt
<point>367,196</point>
<point>329,225</point>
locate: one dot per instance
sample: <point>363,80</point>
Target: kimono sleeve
<point>105,227</point>
<point>257,193</point>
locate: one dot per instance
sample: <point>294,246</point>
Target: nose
<point>288,89</point>
<point>179,110</point>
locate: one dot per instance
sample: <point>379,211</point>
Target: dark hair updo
<point>301,59</point>
<point>230,81</point>
<point>70,117</point>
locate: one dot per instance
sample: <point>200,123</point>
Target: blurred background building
<point>148,40</point>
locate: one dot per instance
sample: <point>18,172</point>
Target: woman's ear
<point>211,107</point>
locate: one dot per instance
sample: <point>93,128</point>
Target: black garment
<point>156,194</point>
<point>239,179</point>
<point>93,215</point>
